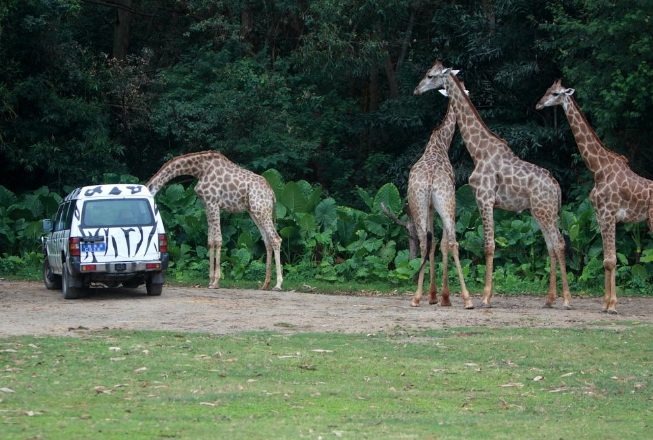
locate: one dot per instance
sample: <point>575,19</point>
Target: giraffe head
<point>434,78</point>
<point>556,95</point>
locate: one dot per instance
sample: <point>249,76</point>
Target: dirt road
<point>28,308</point>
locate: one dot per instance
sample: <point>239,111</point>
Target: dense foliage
<point>320,91</point>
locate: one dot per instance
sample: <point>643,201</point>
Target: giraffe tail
<point>429,243</point>
<point>569,252</point>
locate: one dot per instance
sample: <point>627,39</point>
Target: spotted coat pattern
<point>501,179</point>
<point>223,185</point>
<point>431,186</point>
<point>619,195</point>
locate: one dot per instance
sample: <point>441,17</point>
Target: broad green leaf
<point>389,195</point>
<point>366,198</point>
<point>245,239</point>
<point>288,232</point>
<point>293,198</point>
<point>275,179</point>
<point>376,224</point>
<point>647,256</point>
<point>307,223</point>
<point>314,199</point>
<point>465,200</point>
<point>639,271</point>
<point>6,197</point>
<point>325,213</point>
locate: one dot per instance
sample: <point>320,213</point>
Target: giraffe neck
<point>443,134</point>
<point>473,130</point>
<point>189,164</point>
<point>594,154</point>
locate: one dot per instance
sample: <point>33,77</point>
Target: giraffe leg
<point>444,248</point>
<point>265,224</point>
<point>463,288</point>
<point>433,288</point>
<point>551,297</point>
<point>420,277</point>
<point>610,265</point>
<point>215,246</point>
<point>487,215</point>
<point>566,295</point>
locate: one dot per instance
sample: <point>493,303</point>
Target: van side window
<point>68,215</point>
<point>59,218</point>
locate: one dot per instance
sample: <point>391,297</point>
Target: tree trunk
<point>406,42</point>
<point>374,90</point>
<point>246,24</point>
<point>392,77</point>
<point>121,29</point>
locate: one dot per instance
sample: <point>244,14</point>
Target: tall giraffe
<point>221,184</point>
<point>619,195</point>
<point>431,186</point>
<point>501,179</point>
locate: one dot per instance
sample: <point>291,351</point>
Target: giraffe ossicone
<point>223,185</point>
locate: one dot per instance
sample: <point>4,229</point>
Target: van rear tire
<point>153,289</point>
<point>50,279</point>
<point>68,291</point>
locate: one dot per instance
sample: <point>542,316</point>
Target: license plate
<point>121,267</point>
<point>94,247</point>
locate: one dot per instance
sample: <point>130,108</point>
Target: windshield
<point>117,212</point>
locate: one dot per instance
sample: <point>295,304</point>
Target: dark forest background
<point>319,90</point>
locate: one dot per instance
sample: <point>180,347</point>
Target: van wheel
<point>51,281</point>
<point>68,291</point>
<point>153,289</point>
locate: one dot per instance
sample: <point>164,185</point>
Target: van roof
<point>117,190</point>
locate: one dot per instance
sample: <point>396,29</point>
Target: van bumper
<point>119,269</point>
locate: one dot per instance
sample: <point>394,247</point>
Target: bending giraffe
<point>619,195</point>
<point>431,186</point>
<point>501,179</point>
<point>221,184</point>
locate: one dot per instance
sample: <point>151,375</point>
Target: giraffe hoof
<point>486,306</point>
<point>566,307</point>
<point>277,289</point>
<point>446,303</point>
<point>470,307</point>
<point>414,304</point>
<point>213,286</point>
<point>431,302</point>
<point>612,312</point>
<point>547,306</point>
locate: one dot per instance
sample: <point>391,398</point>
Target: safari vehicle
<point>108,234</point>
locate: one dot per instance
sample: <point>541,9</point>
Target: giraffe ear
<point>446,70</point>
<point>443,92</point>
<point>569,92</point>
<point>455,72</point>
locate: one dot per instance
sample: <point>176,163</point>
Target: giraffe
<point>501,179</point>
<point>431,186</point>
<point>221,184</point>
<point>619,195</point>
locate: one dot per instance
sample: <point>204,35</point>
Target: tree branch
<point>118,6</point>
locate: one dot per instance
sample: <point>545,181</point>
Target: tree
<point>605,51</point>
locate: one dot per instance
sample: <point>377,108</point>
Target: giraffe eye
<point>556,93</point>
<point>430,76</point>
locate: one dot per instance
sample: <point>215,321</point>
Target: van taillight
<point>163,243</point>
<point>73,247</point>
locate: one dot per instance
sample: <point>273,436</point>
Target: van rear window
<point>117,212</point>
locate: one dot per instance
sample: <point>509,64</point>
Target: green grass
<point>451,384</point>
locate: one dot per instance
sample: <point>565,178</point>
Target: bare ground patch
<point>28,308</point>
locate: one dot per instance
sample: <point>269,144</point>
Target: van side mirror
<point>47,225</point>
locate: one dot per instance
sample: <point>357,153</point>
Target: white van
<point>109,234</point>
